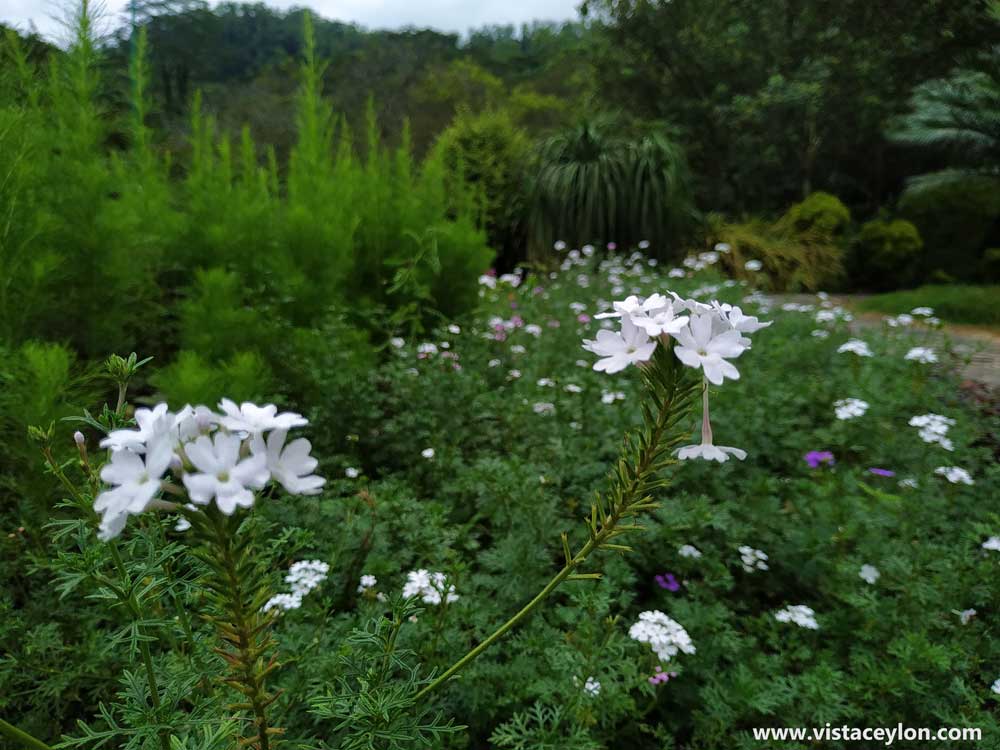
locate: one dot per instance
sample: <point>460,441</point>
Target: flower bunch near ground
<point>211,457</point>
<point>666,637</point>
<point>432,588</point>
<point>798,614</point>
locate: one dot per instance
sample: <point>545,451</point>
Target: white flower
<point>710,452</point>
<point>454,329</point>
<point>150,422</point>
<point>573,388</point>
<point>677,273</point>
<point>351,473</point>
<point>366,582</point>
<point>849,408</point>
<point>592,687</point>
<point>688,550</point>
<point>514,374</point>
<point>254,420</point>
<point>993,543</point>
<point>136,481</point>
<point>954,474</point>
<point>426,349</point>
<point>432,588</point>
<point>869,573</point>
<point>625,308</point>
<point>753,265</point>
<point>799,614</point>
<point>855,346</point>
<point>223,475</point>
<point>934,429</point>
<point>908,482</point>
<point>619,350</point>
<point>752,559</point>
<point>900,320</point>
<point>427,453</point>
<point>305,575</point>
<point>494,363</point>
<point>996,687</point>
<point>546,383</point>
<point>518,349</point>
<point>291,464</point>
<point>740,322</point>
<point>698,346</point>
<point>922,354</point>
<point>559,246</point>
<point>609,397</point>
<point>534,329</point>
<point>965,615</point>
<point>283,601</point>
<point>922,311</point>
<point>665,636</point>
<point>820,334</point>
<point>722,247</point>
<point>544,408</point>
<point>397,342</point>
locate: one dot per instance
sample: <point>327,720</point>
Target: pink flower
<point>583,318</point>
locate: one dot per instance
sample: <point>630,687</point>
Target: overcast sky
<point>447,15</point>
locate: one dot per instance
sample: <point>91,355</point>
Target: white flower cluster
<point>799,614</point>
<point>934,429</point>
<point>432,588</point>
<point>954,474</point>
<point>752,559</point>
<point>869,573</point>
<point>665,636</point>
<point>688,550</point>
<point>855,346</point>
<point>707,336</point>
<point>367,581</point>
<point>303,577</point>
<point>217,456</point>
<point>922,354</point>
<point>849,408</point>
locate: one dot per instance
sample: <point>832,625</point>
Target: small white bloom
<point>494,363</point>
<point>996,687</point>
<point>752,559</point>
<point>283,602</point>
<point>223,475</point>
<point>427,453</point>
<point>544,408</point>
<point>534,329</point>
<point>965,615</point>
<point>855,346</point>
<point>699,346</point>
<point>546,383</point>
<point>820,334</point>
<point>366,582</point>
<point>573,388</point>
<point>688,550</point>
<point>753,265</point>
<point>869,573</point>
<point>432,588</point>
<point>710,452</point>
<point>397,342</point>
<point>993,543</point>
<point>850,408</point>
<point>454,329</point>
<point>925,312</point>
<point>291,465</point>
<point>922,354</point>
<point>306,575</point>
<point>666,637</point>
<point>137,480</point>
<point>799,614</point>
<point>619,350</point>
<point>592,687</point>
<point>954,474</point>
<point>254,420</point>
<point>351,473</point>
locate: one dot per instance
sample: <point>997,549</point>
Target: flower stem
<point>13,733</point>
<point>241,632</point>
<point>628,497</point>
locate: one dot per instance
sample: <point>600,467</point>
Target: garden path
<point>981,346</point>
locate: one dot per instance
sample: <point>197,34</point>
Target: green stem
<point>608,526</point>
<point>11,732</point>
<point>245,642</point>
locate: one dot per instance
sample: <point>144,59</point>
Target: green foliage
<point>489,152</point>
<point>821,213</point>
<point>954,303</point>
<point>792,259</point>
<point>596,184</point>
<point>956,220</point>
<point>886,253</point>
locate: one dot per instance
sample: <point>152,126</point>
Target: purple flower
<point>668,582</point>
<point>817,458</point>
<point>612,246</point>
<point>881,472</point>
<point>583,318</point>
<point>538,290</point>
<point>661,676</point>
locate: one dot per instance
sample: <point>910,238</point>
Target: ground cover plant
<point>953,303</point>
<point>766,588</point>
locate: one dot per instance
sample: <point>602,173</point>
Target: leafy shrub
<point>596,183</point>
<point>886,253</point>
<point>489,152</point>
<point>821,213</point>
<point>957,221</point>
<point>791,260</point>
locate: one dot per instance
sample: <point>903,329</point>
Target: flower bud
<point>78,438</point>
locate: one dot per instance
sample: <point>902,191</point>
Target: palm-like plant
<point>959,116</point>
<point>594,182</point>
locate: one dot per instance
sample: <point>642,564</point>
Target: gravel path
<point>980,346</point>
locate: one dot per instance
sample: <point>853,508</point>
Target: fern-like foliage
<point>959,117</point>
